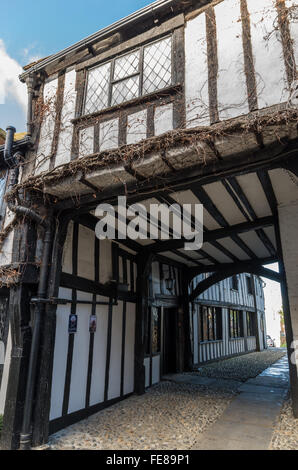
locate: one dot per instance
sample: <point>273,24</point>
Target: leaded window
<point>236,324</point>
<point>211,324</point>
<point>250,323</point>
<point>138,73</point>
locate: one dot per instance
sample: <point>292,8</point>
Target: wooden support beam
<point>230,231</point>
<point>228,272</point>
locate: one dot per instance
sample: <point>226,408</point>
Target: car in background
<point>270,342</point>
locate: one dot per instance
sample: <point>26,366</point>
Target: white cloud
<point>10,84</point>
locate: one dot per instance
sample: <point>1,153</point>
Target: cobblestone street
<point>171,415</point>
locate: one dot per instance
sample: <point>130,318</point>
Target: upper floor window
<point>138,73</point>
<point>234,282</point>
<point>249,285</point>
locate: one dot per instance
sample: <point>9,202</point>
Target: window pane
<point>127,65</point>
<point>157,66</point>
<point>97,97</point>
<point>210,324</point>
<point>125,90</point>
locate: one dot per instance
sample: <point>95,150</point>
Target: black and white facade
<point>180,103</point>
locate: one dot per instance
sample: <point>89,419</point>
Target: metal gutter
<point>154,7</point>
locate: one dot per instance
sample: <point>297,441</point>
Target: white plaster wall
<point>79,370</point>
<point>288,222</point>
<point>147,371</point>
<point>86,253</point>
<point>163,119</point>
<point>137,127</point>
<point>99,355</point>
<point>67,114</point>
<point>109,134</point>
<point>105,265</point>
<point>293,25</point>
<point>268,53</point>
<point>86,142</point>
<point>60,355</point>
<point>116,346</point>
<point>6,250</point>
<point>231,84</point>
<point>5,375</point>
<point>67,251</point>
<point>129,348</point>
<point>47,127</point>
<point>196,77</point>
<point>155,369</point>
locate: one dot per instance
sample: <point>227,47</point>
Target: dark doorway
<point>169,360</point>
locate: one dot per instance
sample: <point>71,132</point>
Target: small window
<point>250,323</point>
<point>234,282</point>
<point>236,324</point>
<point>249,285</point>
<point>211,324</point>
<point>138,73</point>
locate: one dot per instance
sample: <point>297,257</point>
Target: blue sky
<point>38,28</point>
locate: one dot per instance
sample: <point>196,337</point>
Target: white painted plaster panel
<point>292,5</point>
<point>60,355</point>
<point>63,154</point>
<point>109,135</point>
<point>5,375</point>
<point>231,83</point>
<point>99,355</point>
<point>196,73</point>
<point>267,52</point>
<point>252,188</point>
<point>6,250</point>
<point>79,370</point>
<point>105,261</point>
<point>86,139</point>
<point>147,371</point>
<point>224,203</point>
<point>86,253</point>
<point>128,386</point>
<point>254,243</point>
<point>137,127</point>
<point>155,369</point>
<point>163,119</point>
<point>116,346</point>
<point>47,127</point>
<point>230,245</point>
<point>285,186</point>
<point>67,251</point>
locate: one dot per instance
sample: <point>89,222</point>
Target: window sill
<point>212,341</point>
<point>171,90</point>
<point>235,339</point>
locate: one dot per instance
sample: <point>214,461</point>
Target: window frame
<point>232,281</point>
<point>239,324</point>
<point>216,324</point>
<point>250,326</point>
<point>140,73</point>
<point>249,285</point>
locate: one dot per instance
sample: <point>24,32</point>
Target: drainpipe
<point>12,162</point>
<point>29,82</point>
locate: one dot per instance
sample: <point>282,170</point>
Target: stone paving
<point>248,422</point>
<point>185,412</point>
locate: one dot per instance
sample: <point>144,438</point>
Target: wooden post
<point>256,316</point>
<point>141,333</point>
<point>19,313</point>
<point>244,320</point>
<point>43,390</point>
<point>188,357</point>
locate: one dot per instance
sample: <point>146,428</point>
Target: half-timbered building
<point>191,102</point>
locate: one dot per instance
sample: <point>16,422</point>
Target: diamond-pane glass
<point>157,66</point>
<point>125,90</point>
<point>127,65</point>
<point>97,97</point>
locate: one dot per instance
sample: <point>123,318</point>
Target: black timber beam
<point>213,235</point>
<point>242,265</point>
